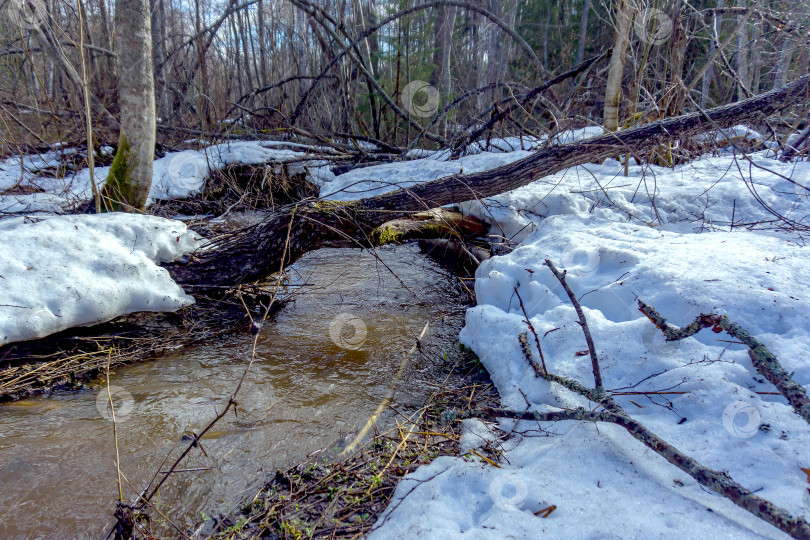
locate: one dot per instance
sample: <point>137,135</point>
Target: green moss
<point>386,235</point>
<point>119,187</point>
<point>331,206</point>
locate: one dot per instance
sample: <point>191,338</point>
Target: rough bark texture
<point>255,253</point>
<point>131,173</point>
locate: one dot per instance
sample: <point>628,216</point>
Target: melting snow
<point>604,483</point>
<point>65,271</point>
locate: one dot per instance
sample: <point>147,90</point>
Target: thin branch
<point>718,481</point>
<point>765,362</point>
<point>597,375</point>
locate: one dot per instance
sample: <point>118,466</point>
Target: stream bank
<point>313,382</point>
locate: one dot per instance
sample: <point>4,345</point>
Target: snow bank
<point>378,179</point>
<point>177,175</point>
<point>604,483</point>
<point>65,271</point>
<point>705,194</point>
<point>182,174</point>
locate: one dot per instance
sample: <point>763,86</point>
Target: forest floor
<point>724,233</point>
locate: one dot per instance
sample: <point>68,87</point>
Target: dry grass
<point>68,359</point>
<point>342,497</point>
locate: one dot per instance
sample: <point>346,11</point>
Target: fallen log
<point>463,258</point>
<point>435,223</point>
<point>255,252</point>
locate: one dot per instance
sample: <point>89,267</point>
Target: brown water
<point>57,474</point>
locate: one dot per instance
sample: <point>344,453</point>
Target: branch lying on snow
<point>565,382</point>
<point>764,360</point>
<point>597,375</point>
<point>718,481</point>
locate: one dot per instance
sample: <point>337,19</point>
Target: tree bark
<point>445,22</point>
<point>583,31</point>
<point>741,56</point>
<point>613,90</point>
<point>131,173</point>
<point>708,75</point>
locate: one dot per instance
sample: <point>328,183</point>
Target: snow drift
<point>65,271</point>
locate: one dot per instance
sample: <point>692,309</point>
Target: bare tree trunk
<point>159,56</point>
<point>203,108</point>
<point>678,42</point>
<point>546,24</point>
<point>299,44</point>
<point>131,173</point>
<point>708,75</point>
<point>785,56</point>
<point>583,31</point>
<point>755,69</point>
<point>613,90</point>
<point>262,45</point>
<point>165,100</point>
<point>445,23</point>
<point>743,84</point>
<point>106,39</point>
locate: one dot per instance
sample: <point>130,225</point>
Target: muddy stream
<point>304,392</point>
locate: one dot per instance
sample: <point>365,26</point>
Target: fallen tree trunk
<point>255,252</point>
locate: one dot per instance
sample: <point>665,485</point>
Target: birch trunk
<point>131,173</point>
